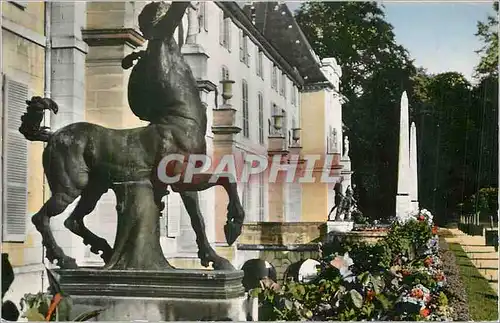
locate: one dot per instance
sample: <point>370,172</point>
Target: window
<point>244,97</point>
<point>225,31</point>
<point>294,95</point>
<point>274,77</point>
<point>284,129</point>
<point>244,54</point>
<point>259,63</point>
<point>15,156</point>
<point>261,209</point>
<point>247,201</point>
<point>221,29</point>
<point>225,73</point>
<point>275,110</point>
<point>293,205</point>
<point>247,51</point>
<point>283,84</point>
<point>260,102</point>
<point>203,16</point>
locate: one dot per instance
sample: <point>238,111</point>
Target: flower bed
<point>398,278</point>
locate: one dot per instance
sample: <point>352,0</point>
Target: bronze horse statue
<point>84,160</point>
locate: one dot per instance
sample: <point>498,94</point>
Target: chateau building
<point>285,101</point>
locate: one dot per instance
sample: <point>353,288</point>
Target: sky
<point>438,35</point>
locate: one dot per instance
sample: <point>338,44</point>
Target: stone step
<point>478,249</point>
<point>482,256</point>
<point>486,263</point>
<point>494,286</point>
<point>490,274</point>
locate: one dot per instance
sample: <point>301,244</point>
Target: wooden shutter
<point>174,208</point>
<point>15,162</point>
<point>242,46</point>
<point>222,27</point>
<point>295,202</point>
<point>261,198</point>
<point>247,202</point>
<point>164,217</point>
<point>228,28</point>
<point>203,15</point>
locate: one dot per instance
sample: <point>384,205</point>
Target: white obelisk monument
<point>403,206</point>
<point>413,168</point>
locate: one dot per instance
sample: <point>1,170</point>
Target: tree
<point>488,32</point>
<point>375,72</point>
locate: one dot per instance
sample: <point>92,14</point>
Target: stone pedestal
<point>168,295</point>
<point>197,58</point>
<point>339,226</point>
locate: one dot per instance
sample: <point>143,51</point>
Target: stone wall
<point>283,244</point>
<point>278,233</point>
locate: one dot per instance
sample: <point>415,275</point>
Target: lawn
<point>483,302</point>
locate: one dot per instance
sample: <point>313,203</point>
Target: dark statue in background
<point>85,160</point>
<point>337,188</point>
<point>345,205</point>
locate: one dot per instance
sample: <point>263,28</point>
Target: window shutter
<point>246,50</point>
<point>222,28</point>
<point>15,162</point>
<point>257,59</point>
<point>261,198</point>
<point>260,102</point>
<point>242,52</point>
<point>173,209</point>
<point>228,33</point>
<point>247,202</point>
<point>203,15</point>
<point>164,217</point>
<point>294,202</point>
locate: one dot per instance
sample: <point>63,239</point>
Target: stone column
<point>224,131</point>
<point>68,90</point>
<point>111,34</point>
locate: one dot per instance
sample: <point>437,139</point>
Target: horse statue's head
<point>150,16</point>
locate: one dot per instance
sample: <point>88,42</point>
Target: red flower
<point>421,218</point>
<point>405,272</point>
<point>428,262</point>
<point>370,295</point>
<point>425,312</point>
<point>417,293</point>
<point>434,230</point>
<point>439,277</point>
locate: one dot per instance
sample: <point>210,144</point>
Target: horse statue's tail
<point>32,119</point>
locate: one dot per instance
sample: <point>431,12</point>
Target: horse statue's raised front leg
<point>205,252</point>
<point>235,215</point>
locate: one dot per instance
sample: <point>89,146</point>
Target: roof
<point>277,23</point>
<point>235,12</point>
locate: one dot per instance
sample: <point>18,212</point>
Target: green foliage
<point>368,256</point>
<point>375,71</point>
<point>405,240</point>
<point>35,307</point>
<point>375,291</point>
<point>482,299</point>
<point>484,202</point>
<point>457,122</point>
<point>488,33</point>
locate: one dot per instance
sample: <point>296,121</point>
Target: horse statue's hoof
<point>222,264</point>
<point>232,231</point>
<point>67,263</point>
